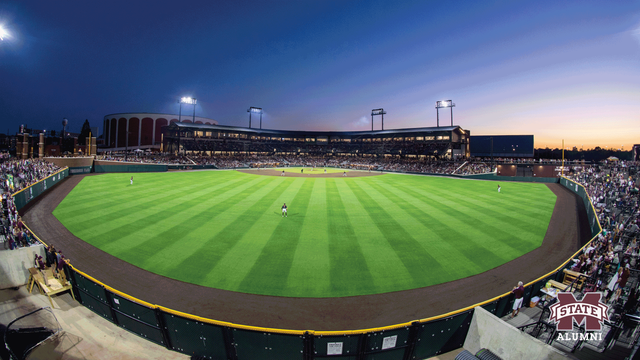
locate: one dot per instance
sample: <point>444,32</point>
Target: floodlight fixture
<point>444,104</point>
<point>190,101</point>
<point>375,112</point>
<point>255,110</point>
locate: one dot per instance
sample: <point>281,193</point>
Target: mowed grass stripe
<point>183,231</point>
<point>497,204</point>
<point>231,269</point>
<point>510,202</point>
<point>270,271</point>
<point>145,190</point>
<point>416,259</point>
<point>91,222</point>
<point>492,215</point>
<point>312,259</point>
<point>492,219</point>
<point>350,274</point>
<point>451,244</point>
<point>164,219</point>
<point>197,262</point>
<point>502,245</point>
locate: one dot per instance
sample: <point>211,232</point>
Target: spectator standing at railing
<point>518,291</point>
<point>622,280</point>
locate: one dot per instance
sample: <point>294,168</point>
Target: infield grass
<point>342,237</point>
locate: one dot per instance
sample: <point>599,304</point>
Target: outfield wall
<point>76,165</point>
<point>24,196</point>
<point>103,166</point>
<point>197,336</point>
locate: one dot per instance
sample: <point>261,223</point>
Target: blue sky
<point>558,70</point>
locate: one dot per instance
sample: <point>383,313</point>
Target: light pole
<point>380,112</point>
<point>444,104</point>
<point>255,110</point>
<point>190,101</point>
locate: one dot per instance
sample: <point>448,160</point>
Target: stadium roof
<point>434,129</point>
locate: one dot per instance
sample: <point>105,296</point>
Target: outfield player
<point>498,188</point>
<point>131,180</point>
<point>284,210</point>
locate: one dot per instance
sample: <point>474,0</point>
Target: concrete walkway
<point>87,335</point>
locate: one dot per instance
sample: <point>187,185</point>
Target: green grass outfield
<point>343,236</point>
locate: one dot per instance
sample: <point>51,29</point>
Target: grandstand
<point>430,142</point>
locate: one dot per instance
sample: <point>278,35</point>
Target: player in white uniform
<point>498,188</point>
<point>131,181</point>
<point>284,210</point>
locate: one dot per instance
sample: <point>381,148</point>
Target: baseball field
<point>342,236</point>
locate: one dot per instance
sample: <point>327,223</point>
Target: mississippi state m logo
<point>589,311</point>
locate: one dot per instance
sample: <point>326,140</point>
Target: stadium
<point>239,181</point>
<point>154,250</point>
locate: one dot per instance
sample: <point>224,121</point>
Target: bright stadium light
<point>190,101</point>
<point>3,33</point>
<point>255,110</point>
<point>444,104</point>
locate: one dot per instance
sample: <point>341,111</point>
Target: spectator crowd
<point>15,176</point>
<point>390,163</point>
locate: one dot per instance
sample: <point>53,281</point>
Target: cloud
<point>361,123</point>
<point>636,32</point>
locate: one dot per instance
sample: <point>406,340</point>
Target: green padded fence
<point>77,170</point>
<point>591,212</point>
<point>24,196</point>
<point>125,168</point>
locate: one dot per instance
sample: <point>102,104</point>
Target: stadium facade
<point>141,130</point>
<point>209,139</point>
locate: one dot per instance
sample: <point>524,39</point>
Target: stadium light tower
<point>441,105</point>
<point>380,112</point>
<point>255,110</point>
<point>190,101</point>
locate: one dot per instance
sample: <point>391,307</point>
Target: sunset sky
<point>555,69</point>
